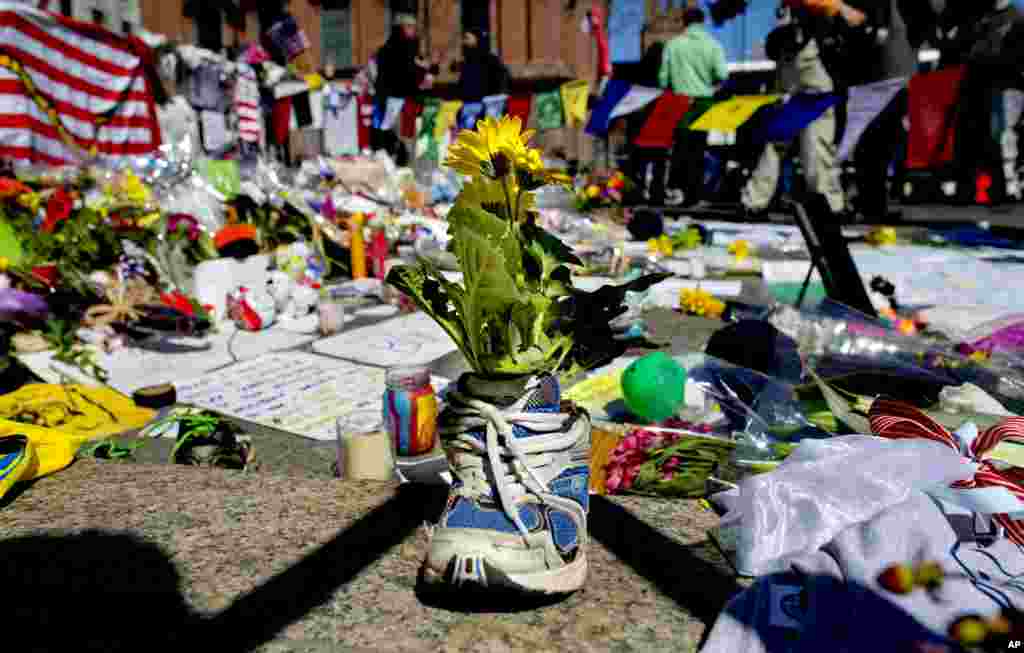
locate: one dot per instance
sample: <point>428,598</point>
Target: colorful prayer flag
<point>730,115</point>
<point>446,117</point>
<point>547,110</point>
<point>600,116</point>
<point>637,98</point>
<point>494,106</point>
<point>784,122</point>
<point>863,105</point>
<point>470,114</point>
<point>518,106</point>
<point>932,108</point>
<point>574,101</point>
<point>659,129</point>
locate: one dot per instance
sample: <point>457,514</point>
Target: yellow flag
<point>574,101</point>
<point>730,115</point>
<point>446,117</point>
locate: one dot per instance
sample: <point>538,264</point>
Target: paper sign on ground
<point>295,392</point>
<point>132,368</point>
<point>413,339</point>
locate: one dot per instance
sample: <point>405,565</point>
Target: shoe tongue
<point>543,393</point>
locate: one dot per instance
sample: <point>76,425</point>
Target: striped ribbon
<point>893,419</point>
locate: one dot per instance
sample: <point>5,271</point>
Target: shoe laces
<point>501,456</point>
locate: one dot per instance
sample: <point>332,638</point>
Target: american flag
<point>93,79</point>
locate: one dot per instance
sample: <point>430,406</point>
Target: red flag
<point>660,126</point>
<point>407,123</point>
<point>365,120</point>
<point>932,99</point>
<point>519,107</point>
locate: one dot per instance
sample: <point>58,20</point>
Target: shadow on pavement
<point>116,592</point>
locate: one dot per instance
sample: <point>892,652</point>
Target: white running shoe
<point>516,517</point>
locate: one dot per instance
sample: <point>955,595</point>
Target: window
<point>336,33</point>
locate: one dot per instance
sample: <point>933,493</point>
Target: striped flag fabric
<point>68,89</point>
<point>247,105</point>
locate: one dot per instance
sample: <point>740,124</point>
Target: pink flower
<point>614,480</point>
<point>668,475</point>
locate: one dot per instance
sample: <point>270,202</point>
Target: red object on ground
<point>364,121</point>
<point>179,302</point>
<point>234,233</point>
<point>47,274</point>
<point>982,185</point>
<point>932,99</point>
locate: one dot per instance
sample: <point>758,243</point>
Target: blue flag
<point>600,117</point>
<point>781,123</point>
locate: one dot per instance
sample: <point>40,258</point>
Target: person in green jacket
<point>692,64</point>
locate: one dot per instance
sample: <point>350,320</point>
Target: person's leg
<point>677,167</point>
<point>1013,103</point>
<point>818,153</point>
<point>759,190</point>
<point>969,145</point>
<point>874,154</point>
<point>693,182</point>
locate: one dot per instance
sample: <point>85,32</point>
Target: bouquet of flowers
<point>673,462</point>
<point>602,192</point>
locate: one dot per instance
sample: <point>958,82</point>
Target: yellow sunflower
<point>475,150</point>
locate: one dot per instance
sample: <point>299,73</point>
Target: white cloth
<point>341,123</point>
<point>216,136</point>
<point>827,522</point>
<point>178,122</point>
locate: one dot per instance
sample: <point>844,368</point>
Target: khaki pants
<point>817,141</point>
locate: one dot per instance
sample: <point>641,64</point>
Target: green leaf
<point>840,407</point>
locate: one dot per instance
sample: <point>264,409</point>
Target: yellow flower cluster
<point>695,301</point>
<point>881,236</point>
<point>660,246</point>
<point>740,249</point>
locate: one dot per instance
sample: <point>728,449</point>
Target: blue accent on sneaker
<point>563,530</point>
<point>467,513</point>
<point>574,483</point>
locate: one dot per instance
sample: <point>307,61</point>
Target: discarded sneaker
<point>516,517</point>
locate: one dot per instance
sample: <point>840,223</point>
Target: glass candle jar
<point>410,411</point>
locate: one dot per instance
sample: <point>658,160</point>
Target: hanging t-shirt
<point>206,91</point>
<point>341,115</point>
<point>216,136</point>
<point>247,106</point>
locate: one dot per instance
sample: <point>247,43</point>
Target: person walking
<point>795,46</point>
<point>481,72</point>
<point>400,73</point>
<point>692,64</point>
<point>642,160</point>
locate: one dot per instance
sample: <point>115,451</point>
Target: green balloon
<point>654,387</point>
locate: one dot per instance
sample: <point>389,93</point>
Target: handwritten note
<point>408,340</point>
<point>132,368</point>
<point>295,392</point>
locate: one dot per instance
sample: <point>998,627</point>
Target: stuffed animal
<point>251,309</point>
